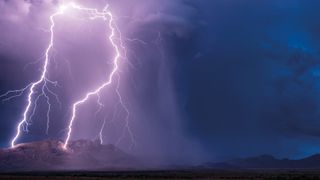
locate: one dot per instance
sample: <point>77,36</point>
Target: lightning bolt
<point>43,80</point>
<point>106,16</point>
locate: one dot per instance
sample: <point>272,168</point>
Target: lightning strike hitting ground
<point>43,80</point>
<point>106,16</point>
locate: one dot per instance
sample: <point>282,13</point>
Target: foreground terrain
<point>49,155</point>
<point>268,174</point>
<point>86,159</point>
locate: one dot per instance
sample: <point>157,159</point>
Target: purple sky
<point>80,60</point>
<point>213,80</point>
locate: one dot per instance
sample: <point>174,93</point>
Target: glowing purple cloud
<point>106,16</point>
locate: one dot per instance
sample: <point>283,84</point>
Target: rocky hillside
<point>50,155</point>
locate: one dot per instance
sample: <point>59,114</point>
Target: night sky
<point>214,79</point>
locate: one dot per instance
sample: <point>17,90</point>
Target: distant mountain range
<point>266,162</point>
<point>50,155</point>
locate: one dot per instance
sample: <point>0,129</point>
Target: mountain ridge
<point>266,162</point>
<point>50,155</point>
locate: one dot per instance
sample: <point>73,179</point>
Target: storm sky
<point>212,80</point>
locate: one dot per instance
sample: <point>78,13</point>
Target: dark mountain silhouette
<point>267,162</point>
<point>50,155</point>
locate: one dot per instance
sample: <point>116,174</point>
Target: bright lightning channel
<point>105,15</point>
<point>42,80</point>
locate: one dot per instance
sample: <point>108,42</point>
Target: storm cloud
<point>78,64</point>
<point>213,80</point>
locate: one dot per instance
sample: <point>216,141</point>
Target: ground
<point>251,174</point>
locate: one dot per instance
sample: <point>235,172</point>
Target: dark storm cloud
<point>240,78</point>
<point>256,78</point>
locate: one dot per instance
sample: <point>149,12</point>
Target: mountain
<point>267,162</point>
<point>50,155</point>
